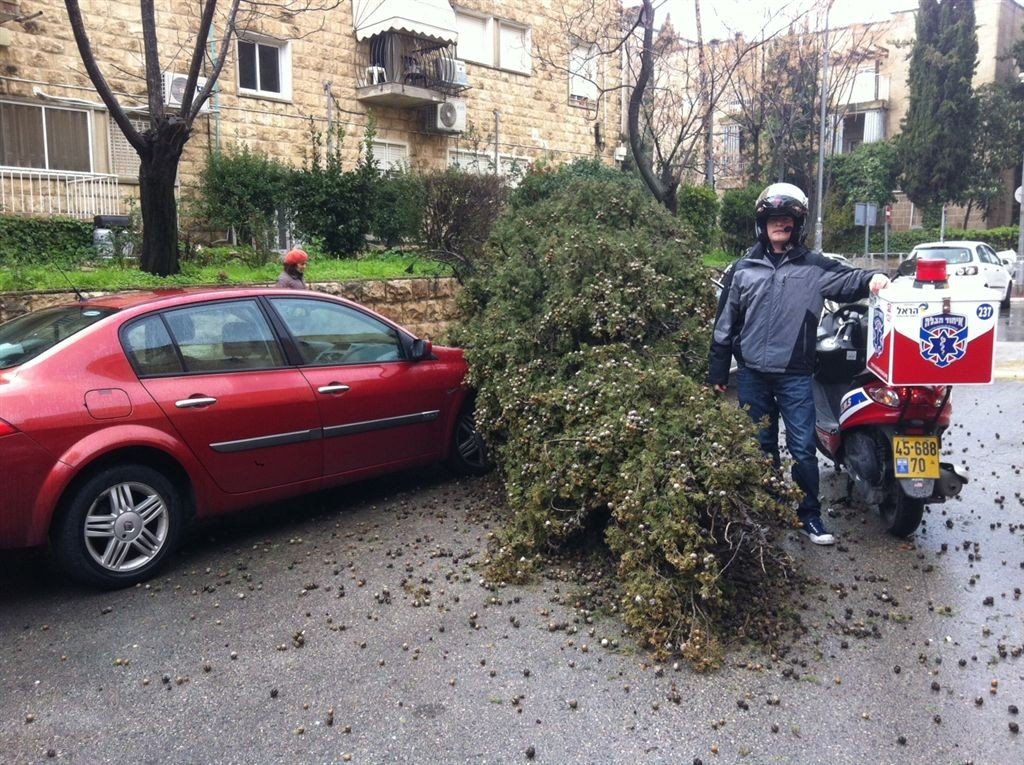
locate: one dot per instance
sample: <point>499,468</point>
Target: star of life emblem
<point>943,339</point>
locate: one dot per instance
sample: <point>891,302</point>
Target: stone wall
<point>425,307</point>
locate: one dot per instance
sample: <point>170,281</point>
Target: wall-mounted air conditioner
<point>449,117</point>
<point>452,71</point>
<point>174,89</point>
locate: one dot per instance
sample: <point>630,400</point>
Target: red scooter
<point>888,438</point>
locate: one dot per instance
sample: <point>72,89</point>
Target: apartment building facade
<point>489,85</point>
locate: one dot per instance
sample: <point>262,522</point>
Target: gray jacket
<point>768,315</point>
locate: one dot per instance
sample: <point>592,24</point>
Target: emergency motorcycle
<point>887,437</point>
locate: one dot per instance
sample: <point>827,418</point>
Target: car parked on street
<point>968,263</point>
<point>123,417</point>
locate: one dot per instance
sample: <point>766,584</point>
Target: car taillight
<point>6,428</point>
<point>966,271</point>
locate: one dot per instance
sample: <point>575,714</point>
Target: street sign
<point>865,214</point>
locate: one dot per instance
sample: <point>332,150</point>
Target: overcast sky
<point>720,18</point>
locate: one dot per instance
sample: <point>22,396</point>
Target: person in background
<point>767,317</point>
<point>292,277</point>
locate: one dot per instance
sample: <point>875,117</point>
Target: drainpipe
<point>215,95</point>
<point>497,122</point>
<point>330,115</point>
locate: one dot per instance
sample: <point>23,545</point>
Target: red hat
<point>295,257</point>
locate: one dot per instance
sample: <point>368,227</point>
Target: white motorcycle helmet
<point>777,201</point>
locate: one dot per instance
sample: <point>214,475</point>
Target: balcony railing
<point>42,192</point>
<point>401,70</point>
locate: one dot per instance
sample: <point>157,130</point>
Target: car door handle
<point>332,388</point>
<point>195,402</point>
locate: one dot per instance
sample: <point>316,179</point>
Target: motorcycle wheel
<point>900,514</point>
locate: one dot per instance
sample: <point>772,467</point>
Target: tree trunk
<point>158,172</point>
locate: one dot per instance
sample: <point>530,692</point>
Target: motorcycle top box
<point>920,332</point>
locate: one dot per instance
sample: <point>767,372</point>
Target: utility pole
<point>819,226</point>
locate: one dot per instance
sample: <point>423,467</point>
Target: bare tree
<point>160,146</point>
<point>673,86</point>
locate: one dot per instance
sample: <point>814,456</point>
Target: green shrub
<point>698,207</point>
<point>242,189</point>
<point>1001,238</point>
<point>587,334</point>
<point>331,204</point>
<point>459,210</point>
<point>542,180</point>
<point>398,214</point>
<point>44,240</point>
<point>737,219</point>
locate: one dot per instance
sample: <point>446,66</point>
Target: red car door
<point>251,420</point>
<point>376,409</point>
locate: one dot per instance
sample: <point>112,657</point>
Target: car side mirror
<point>421,349</point>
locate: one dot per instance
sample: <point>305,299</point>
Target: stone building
<point>482,83</point>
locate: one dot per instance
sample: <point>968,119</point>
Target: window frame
<point>492,48</point>
<point>387,147</point>
<point>44,137</point>
<point>284,67</point>
<point>583,87</point>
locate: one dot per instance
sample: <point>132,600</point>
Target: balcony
<point>406,71</point>
<point>46,193</point>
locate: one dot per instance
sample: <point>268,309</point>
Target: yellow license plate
<point>915,456</point>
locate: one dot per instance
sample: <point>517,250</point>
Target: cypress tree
<point>937,129</point>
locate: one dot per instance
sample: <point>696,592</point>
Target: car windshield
<point>25,337</point>
<point>951,255</point>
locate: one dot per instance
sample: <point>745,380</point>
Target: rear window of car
<point>951,255</point>
<point>25,337</point>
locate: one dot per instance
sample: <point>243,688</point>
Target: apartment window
<point>124,160</point>
<point>391,156</point>
<point>583,75</point>
<point>732,147</point>
<point>510,167</point>
<point>265,68</point>
<point>45,137</point>
<point>494,42</point>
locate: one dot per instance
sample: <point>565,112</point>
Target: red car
<point>123,417</point>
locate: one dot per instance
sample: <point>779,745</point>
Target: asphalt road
<point>353,626</point>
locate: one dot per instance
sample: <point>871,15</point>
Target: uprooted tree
<point>160,146</point>
<point>587,336</point>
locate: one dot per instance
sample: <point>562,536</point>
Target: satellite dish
<point>447,114</point>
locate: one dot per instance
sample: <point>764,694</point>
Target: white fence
<point>76,195</point>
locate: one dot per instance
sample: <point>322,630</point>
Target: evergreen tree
<point>937,130</point>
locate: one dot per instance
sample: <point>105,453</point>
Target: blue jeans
<point>769,395</point>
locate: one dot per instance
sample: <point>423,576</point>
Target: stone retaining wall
<point>423,306</point>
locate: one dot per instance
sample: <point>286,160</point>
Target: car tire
<point>1005,302</point>
<point>119,526</point>
<point>468,454</point>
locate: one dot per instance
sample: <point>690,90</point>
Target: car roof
<point>163,297</point>
<point>950,243</point>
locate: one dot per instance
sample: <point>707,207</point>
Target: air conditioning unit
<point>452,71</point>
<point>174,89</point>
<point>449,117</point>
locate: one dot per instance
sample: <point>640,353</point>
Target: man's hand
<point>719,388</point>
<point>878,282</point>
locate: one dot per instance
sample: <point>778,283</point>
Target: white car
<point>968,263</point>
<point>1008,259</point>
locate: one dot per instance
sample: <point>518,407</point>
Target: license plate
<point>915,456</point>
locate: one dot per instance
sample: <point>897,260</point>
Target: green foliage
<point>398,213</point>
<point>43,240</point>
<point>995,146</point>
<point>698,207</point>
<point>1001,238</point>
<point>586,335</point>
<point>242,189</point>
<point>331,204</point>
<point>543,179</point>
<point>459,211</point>
<point>737,219</point>
<point>938,129</point>
<point>867,174</point>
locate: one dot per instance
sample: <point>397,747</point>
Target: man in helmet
<point>294,268</point>
<point>767,318</point>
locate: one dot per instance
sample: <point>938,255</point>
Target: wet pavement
<point>354,627</point>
